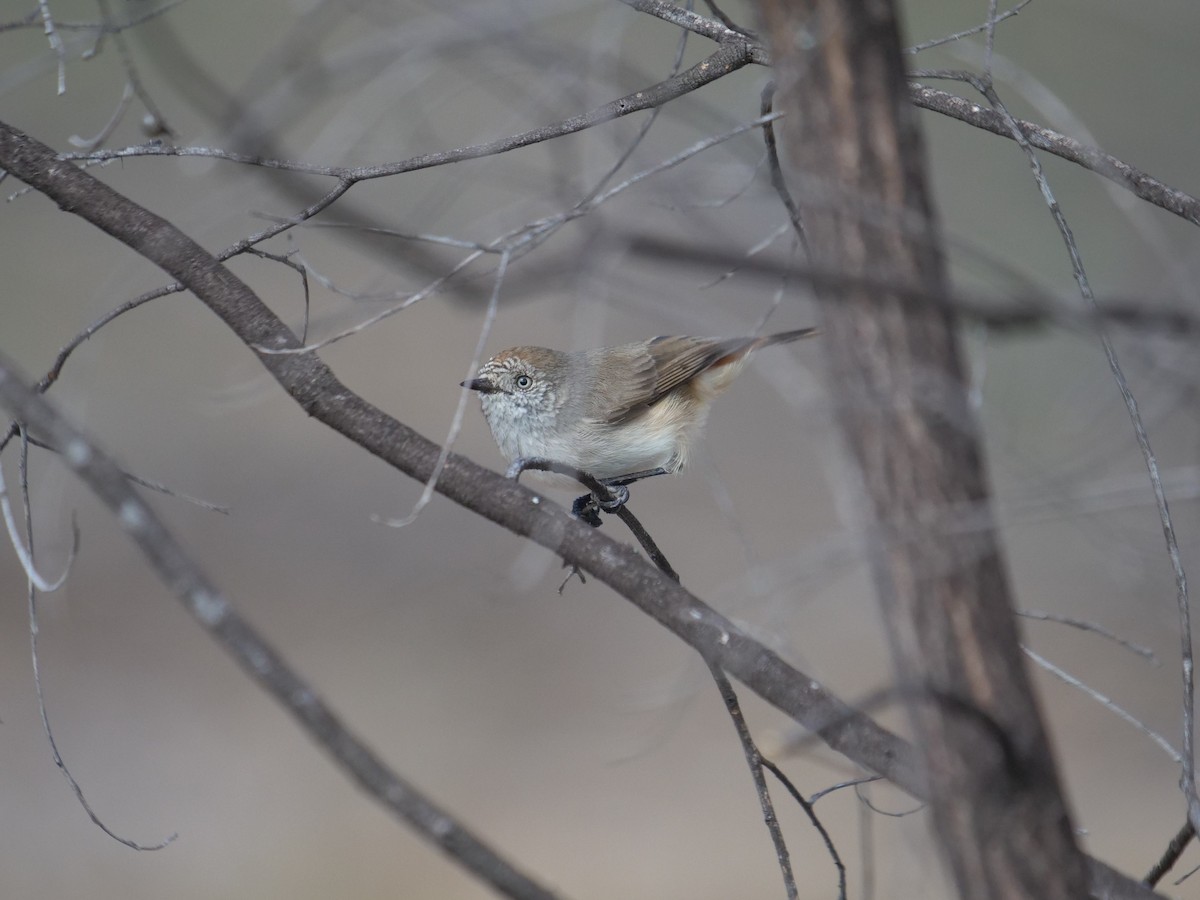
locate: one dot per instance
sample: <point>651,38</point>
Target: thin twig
<point>105,132</point>
<point>1171,855</point>
<point>1185,876</point>
<point>698,24</point>
<point>409,300</point>
<point>755,761</point>
<point>1121,173</point>
<point>1032,309</point>
<point>764,244</point>
<point>1142,185</point>
<point>156,125</point>
<point>1083,625</point>
<point>810,811</point>
<point>25,554</point>
<point>1187,668</point>
<point>34,631</point>
<point>166,491</point>
<point>647,542</point>
<point>766,107</point>
<point>56,43</point>
<point>523,239</point>
<point>728,58</point>
<point>754,758</point>
<point>317,390</point>
<point>32,19</point>
<point>1105,701</point>
<point>65,353</point>
<point>842,785</point>
<point>156,486</point>
<point>988,25</point>
<point>300,269</point>
<point>676,64</point>
<point>485,331</point>
<point>866,843</point>
<point>725,20</point>
<point>891,814</point>
<point>216,614</point>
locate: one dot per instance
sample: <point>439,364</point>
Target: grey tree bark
<point>895,367</point>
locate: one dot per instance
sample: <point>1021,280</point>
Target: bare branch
<point>1142,185</point>
<point>809,810</point>
<point>989,26</point>
<point>728,58</point>
<point>485,331</point>
<point>35,664</point>
<point>1093,159</point>
<point>25,554</point>
<point>315,388</point>
<point>1171,855</point>
<point>1013,313</point>
<point>258,659</point>
<point>1183,603</point>
<point>56,43</point>
<point>698,24</point>
<point>604,494</point>
<point>1105,701</point>
<point>1144,652</point>
<point>755,761</point>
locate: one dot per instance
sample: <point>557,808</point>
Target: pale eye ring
<point>523,382</point>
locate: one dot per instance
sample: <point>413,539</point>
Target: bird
<point>616,413</point>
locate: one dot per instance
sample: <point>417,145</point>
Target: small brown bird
<point>614,411</point>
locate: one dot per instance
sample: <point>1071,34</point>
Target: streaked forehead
<point>506,357</point>
<point>517,358</point>
<point>503,361</point>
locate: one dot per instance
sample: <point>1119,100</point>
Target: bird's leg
<point>524,463</point>
<point>608,494</point>
<point>623,480</point>
<point>619,497</point>
<point>586,507</point>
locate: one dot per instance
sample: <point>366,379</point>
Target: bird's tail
<point>784,337</point>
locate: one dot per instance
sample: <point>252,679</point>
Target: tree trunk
<point>857,162</point>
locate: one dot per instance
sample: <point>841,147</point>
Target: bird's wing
<point>656,369</point>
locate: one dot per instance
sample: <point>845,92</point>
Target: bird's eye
<point>524,382</point>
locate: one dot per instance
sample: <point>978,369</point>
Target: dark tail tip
<point>786,337</point>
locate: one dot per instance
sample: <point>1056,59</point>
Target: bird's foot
<point>587,508</point>
<point>609,494</point>
<point>620,496</point>
<point>575,572</point>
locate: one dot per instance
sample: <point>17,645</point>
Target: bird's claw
<point>588,506</point>
<point>620,496</point>
<point>586,509</point>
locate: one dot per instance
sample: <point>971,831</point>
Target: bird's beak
<point>483,385</point>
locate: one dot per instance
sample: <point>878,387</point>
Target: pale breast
<point>658,436</point>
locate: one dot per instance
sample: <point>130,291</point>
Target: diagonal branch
<point>1093,159</point>
<point>317,390</point>
<point>258,658</point>
<point>729,57</point>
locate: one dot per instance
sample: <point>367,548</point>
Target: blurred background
<point>569,731</point>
